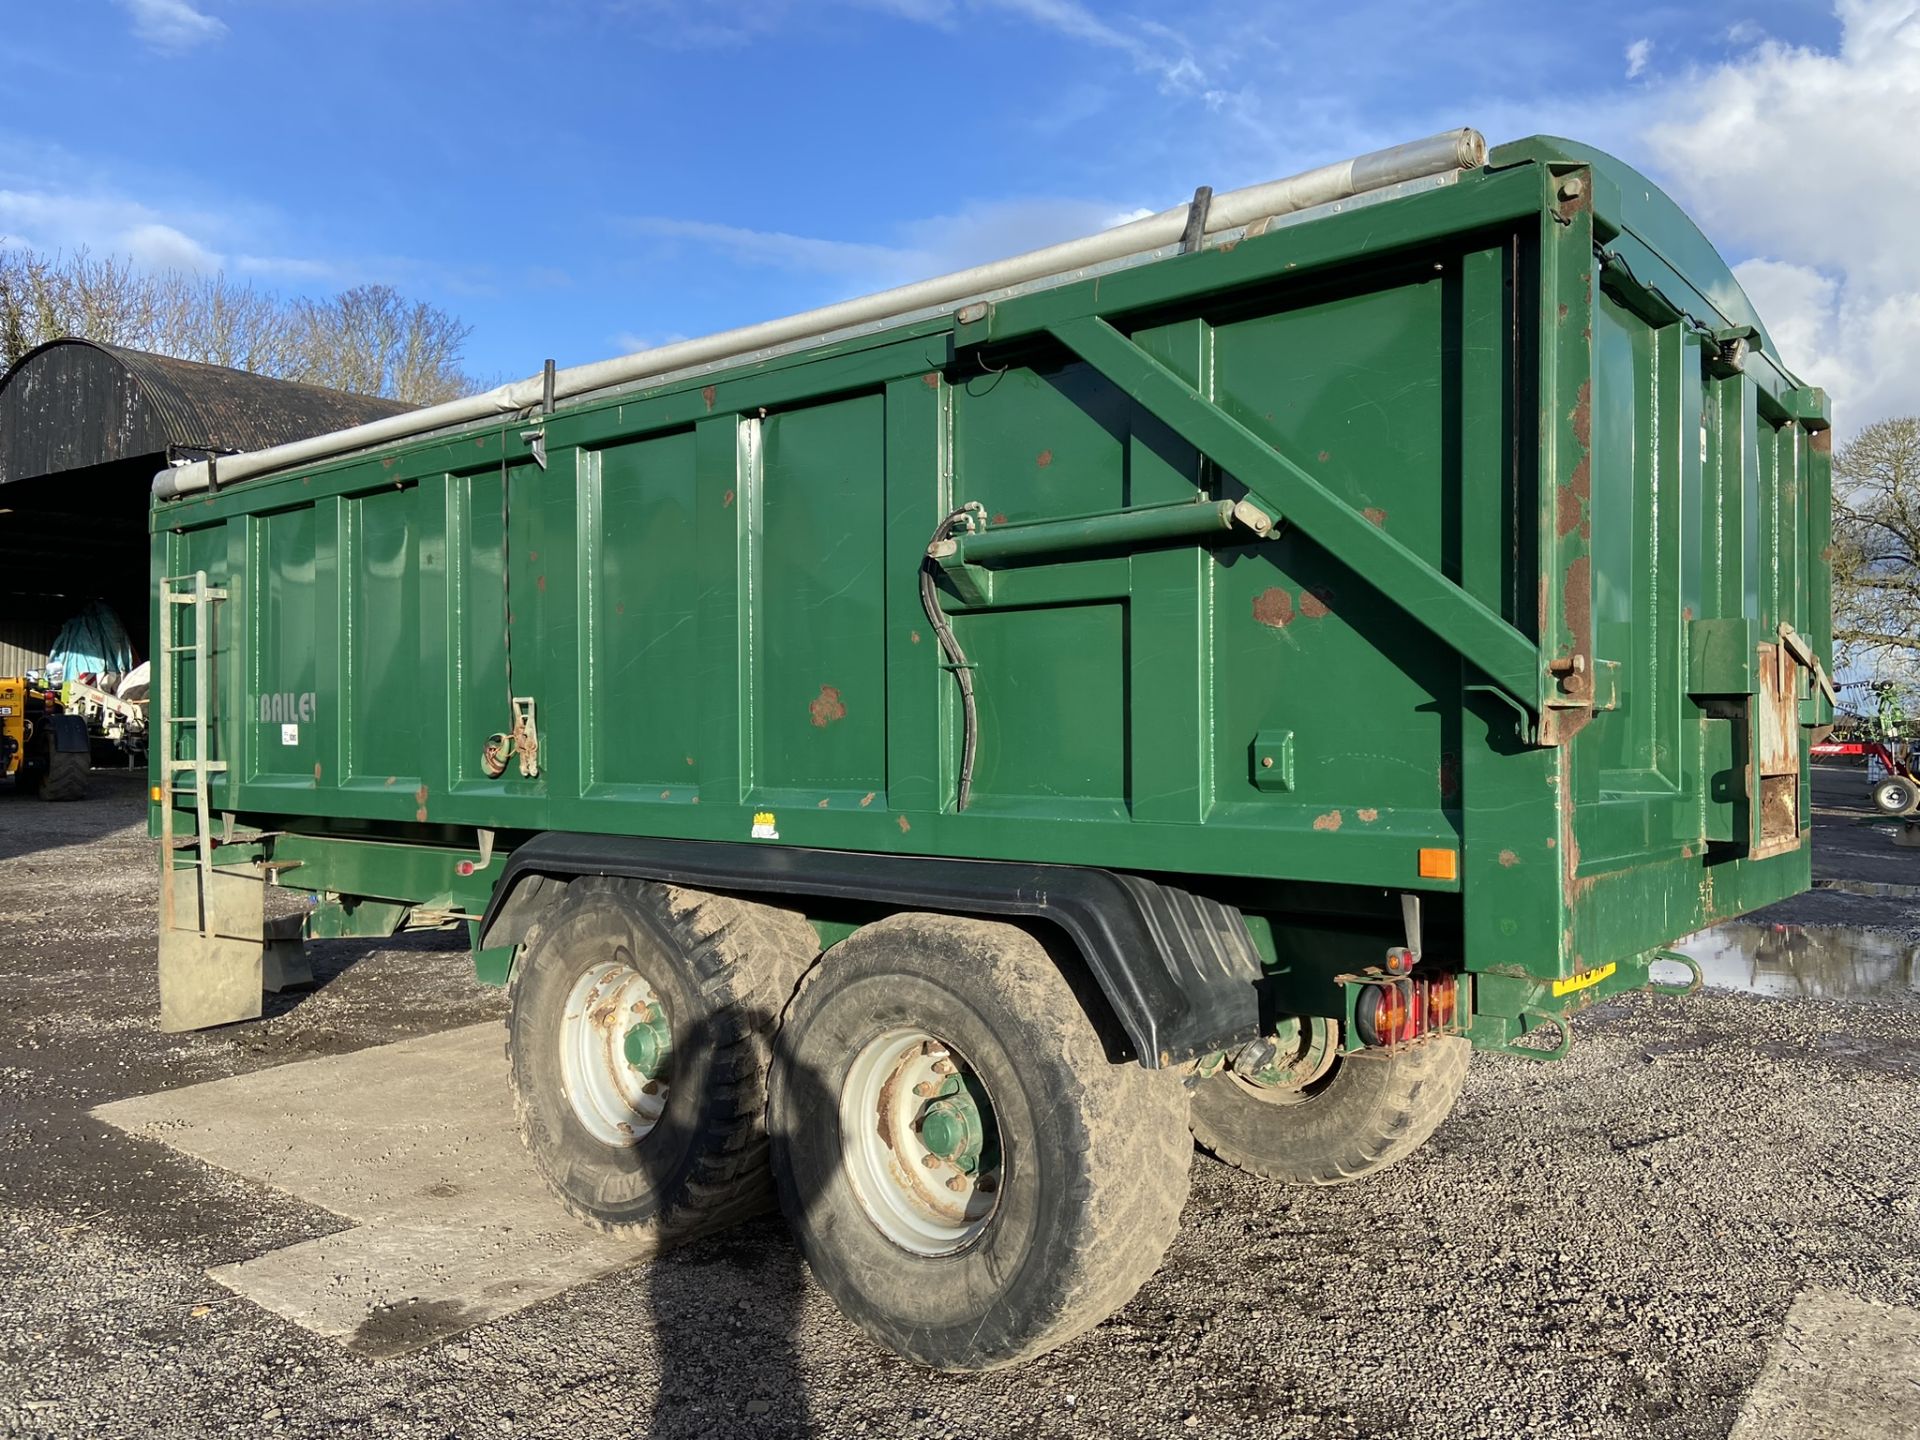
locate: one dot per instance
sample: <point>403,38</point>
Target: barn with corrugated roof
<point>84,427</point>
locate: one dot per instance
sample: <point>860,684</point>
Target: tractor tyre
<point>640,1025</point>
<point>1371,1109</point>
<point>67,774</point>
<point>969,1176</point>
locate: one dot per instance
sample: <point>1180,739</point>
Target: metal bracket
<point>526,736</point>
<point>1195,235</point>
<point>536,440</point>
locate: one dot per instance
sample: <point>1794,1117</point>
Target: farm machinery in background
<point>51,736</point>
<point>1879,738</point>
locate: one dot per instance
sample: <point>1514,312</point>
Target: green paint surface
<point>1533,539</point>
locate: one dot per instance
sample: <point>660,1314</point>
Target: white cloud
<point>172,25</point>
<point>630,342</point>
<point>154,246</point>
<point>37,214</point>
<point>932,246</point>
<point>1152,47</point>
<point>772,247</point>
<point>1801,161</point>
<point>1638,54</point>
<point>53,220</point>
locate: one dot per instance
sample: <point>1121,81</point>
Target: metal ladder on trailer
<point>216,961</point>
<point>200,766</point>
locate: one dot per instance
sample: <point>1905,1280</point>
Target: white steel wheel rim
<point>614,1102</point>
<point>924,1208</point>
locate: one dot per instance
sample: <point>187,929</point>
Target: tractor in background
<point>44,750</point>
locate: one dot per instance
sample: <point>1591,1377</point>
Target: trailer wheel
<point>1895,795</point>
<point>1365,1113</point>
<point>638,1038</point>
<point>66,777</point>
<point>968,1175</point>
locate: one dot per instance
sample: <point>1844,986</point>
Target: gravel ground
<point>1600,1248</point>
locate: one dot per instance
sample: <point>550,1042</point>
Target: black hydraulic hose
<point>950,647</point>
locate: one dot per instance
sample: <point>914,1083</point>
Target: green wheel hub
<point>957,1124</point>
<point>649,1044</point>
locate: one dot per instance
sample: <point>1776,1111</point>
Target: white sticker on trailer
<point>289,734</point>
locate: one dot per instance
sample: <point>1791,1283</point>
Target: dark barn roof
<point>72,404</point>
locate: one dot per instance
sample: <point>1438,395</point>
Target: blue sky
<point>577,177</point>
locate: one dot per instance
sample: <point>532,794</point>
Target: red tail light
<point>1400,1011</point>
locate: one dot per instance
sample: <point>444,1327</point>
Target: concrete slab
<point>414,1141</point>
<point>1843,1369</point>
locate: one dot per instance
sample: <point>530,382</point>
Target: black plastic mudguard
<point>69,732</point>
<point>1178,969</point>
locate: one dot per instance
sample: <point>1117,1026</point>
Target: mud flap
<point>216,967</point>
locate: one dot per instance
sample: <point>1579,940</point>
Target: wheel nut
<point>986,1184</point>
<point>926,1089</point>
<point>932,1162</point>
<point>958,1182</point>
<point>944,1067</point>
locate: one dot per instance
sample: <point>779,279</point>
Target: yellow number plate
<point>1582,981</point>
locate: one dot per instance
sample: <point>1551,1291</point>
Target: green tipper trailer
<point>936,750</point>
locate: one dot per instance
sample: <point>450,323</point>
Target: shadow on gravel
<point>331,959</point>
<point>731,1370</point>
<point>30,825</point>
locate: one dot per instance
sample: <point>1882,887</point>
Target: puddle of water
<point>1826,962</point>
<point>1876,889</point>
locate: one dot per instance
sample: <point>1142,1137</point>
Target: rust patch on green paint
<point>726,500</point>
<point>1375,515</point>
<point>316,772</point>
<point>903,824</point>
<point>1566,504</point>
<point>1368,816</point>
<point>822,805</point>
<point>420,798</point>
<point>1576,608</point>
<point>706,394</point>
<point>1316,602</point>
<point>1508,859</point>
<point>1044,459</point>
<point>827,707</point>
<point>931,379</point>
<point>1273,607</point>
<point>1328,821</point>
<point>689,759</point>
<point>866,799</point>
<point>914,637</point>
<point>1582,416</point>
<point>999,518</point>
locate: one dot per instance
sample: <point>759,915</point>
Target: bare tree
<point>375,341</point>
<point>370,340</point>
<point>1876,550</point>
